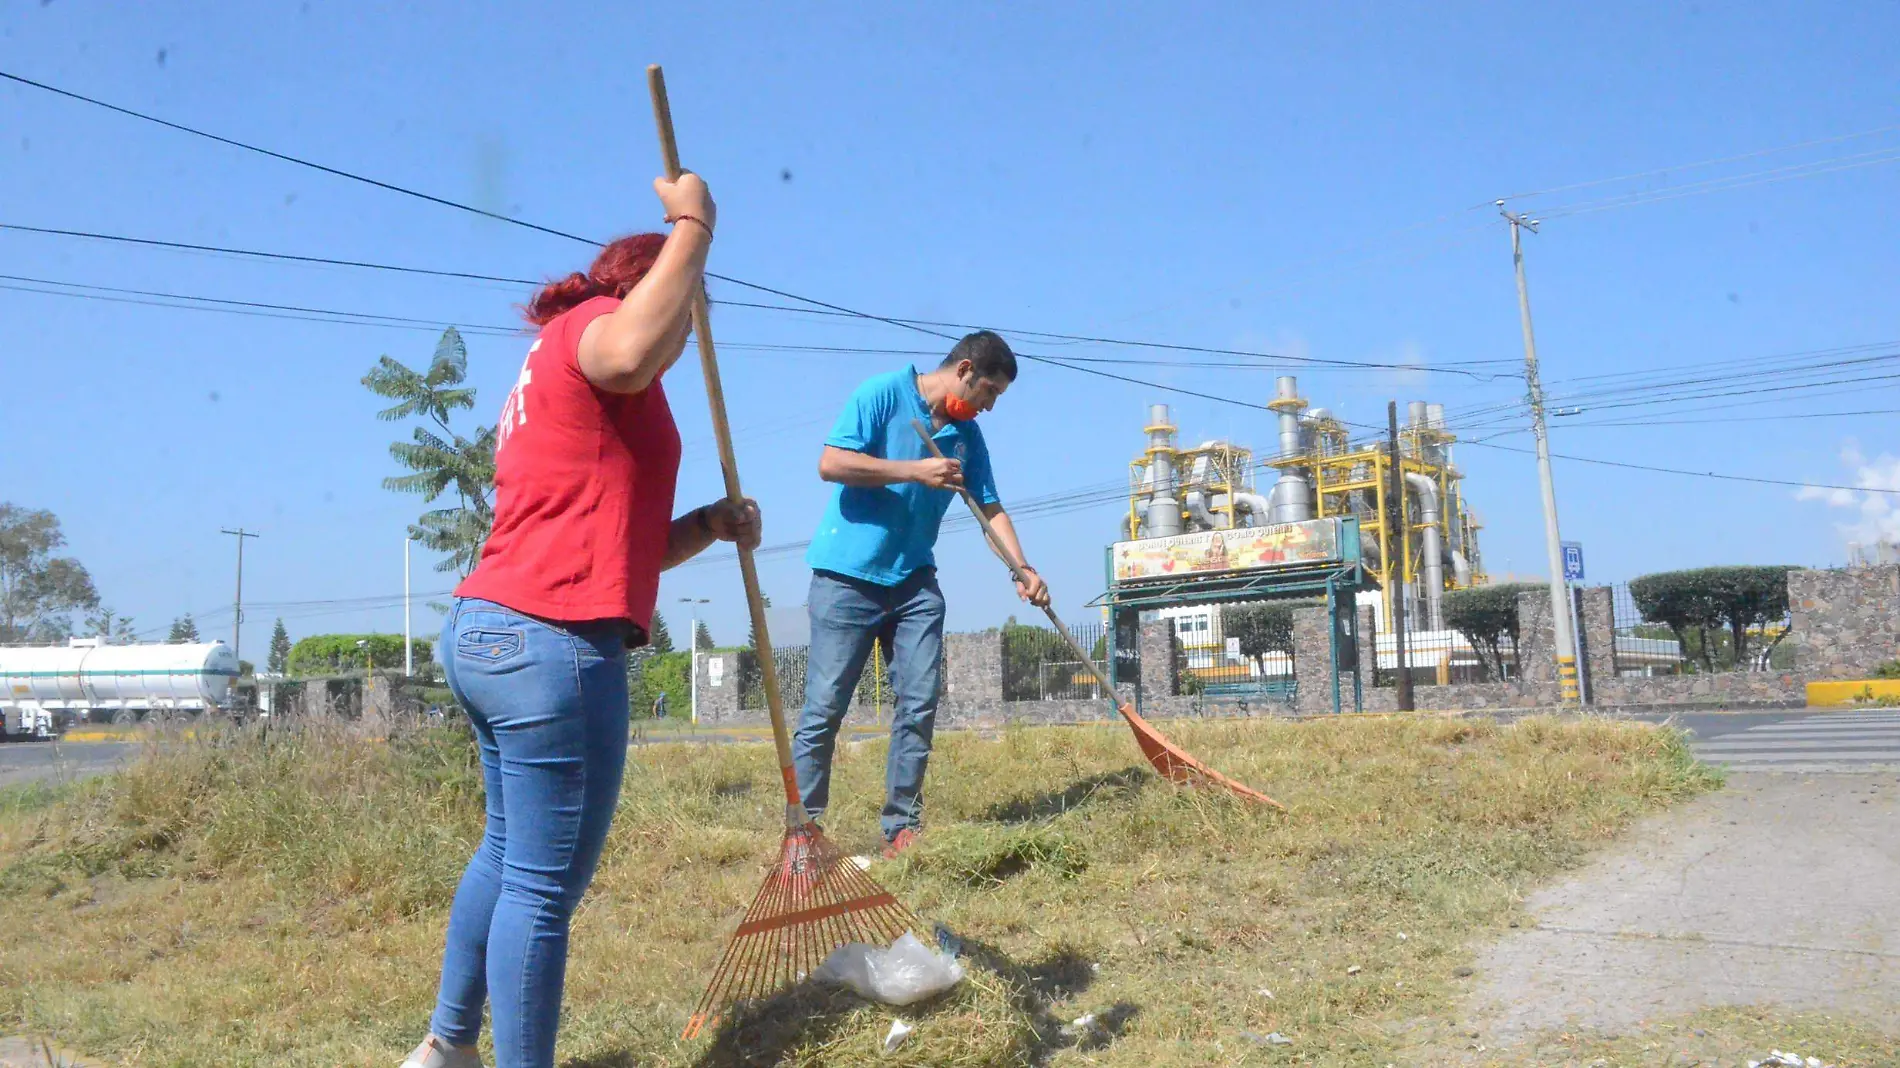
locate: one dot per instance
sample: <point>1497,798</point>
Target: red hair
<point>619,267</point>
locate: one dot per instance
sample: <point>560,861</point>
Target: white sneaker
<point>437,1053</point>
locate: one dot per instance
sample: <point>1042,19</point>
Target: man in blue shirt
<point>874,574</point>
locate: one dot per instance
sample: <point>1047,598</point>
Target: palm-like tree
<point>438,458</point>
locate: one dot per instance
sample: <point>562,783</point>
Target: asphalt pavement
<point>1795,741</point>
<point>23,762</point>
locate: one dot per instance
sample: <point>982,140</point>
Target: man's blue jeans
<point>549,705</point>
<point>847,614</point>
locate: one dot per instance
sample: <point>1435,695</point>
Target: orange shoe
<point>903,840</point>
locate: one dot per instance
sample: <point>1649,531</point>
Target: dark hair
<point>619,267</point>
<point>987,352</point>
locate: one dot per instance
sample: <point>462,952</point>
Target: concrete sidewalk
<point>1778,891</point>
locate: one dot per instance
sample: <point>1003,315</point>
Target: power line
<point>1692,166</point>
<point>1693,474</point>
<point>1723,184</point>
<point>500,217</point>
<point>1734,419</point>
<point>290,311</point>
<point>333,171</point>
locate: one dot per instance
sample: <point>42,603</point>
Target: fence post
<point>1598,635</point>
<point>1155,647</point>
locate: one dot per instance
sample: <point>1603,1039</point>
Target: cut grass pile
<point>243,899</point>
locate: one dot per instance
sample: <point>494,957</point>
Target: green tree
<point>39,591</point>
<point>1697,605</point>
<point>1026,649</point>
<point>702,637</point>
<point>438,458</point>
<point>1486,616</point>
<point>1260,628</point>
<point>278,662</point>
<point>184,629</point>
<point>115,628</point>
<point>659,639</point>
<point>339,654</point>
<point>658,673</point>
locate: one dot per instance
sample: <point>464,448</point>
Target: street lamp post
<point>692,641</point>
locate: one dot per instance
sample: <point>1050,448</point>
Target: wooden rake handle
<point>1016,572</point>
<point>729,467</point>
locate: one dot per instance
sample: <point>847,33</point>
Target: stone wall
<point>1159,678</point>
<point>1312,659</point>
<point>1846,621</point>
<point>972,670</point>
<point>1536,666</point>
<point>1845,624</point>
<point>1727,689</point>
<point>1599,633</point>
<point>718,692</point>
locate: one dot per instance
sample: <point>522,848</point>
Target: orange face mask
<point>959,410</point>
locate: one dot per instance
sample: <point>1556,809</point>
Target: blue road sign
<point>1573,561</point>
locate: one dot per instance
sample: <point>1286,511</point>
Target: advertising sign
<point>1214,552</point>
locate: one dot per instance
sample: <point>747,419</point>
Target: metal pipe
<point>1286,389</point>
<point>1460,568</point>
<point>1196,505</point>
<point>1164,511</point>
<point>1259,509</point>
<point>1292,496</point>
<point>1432,575</point>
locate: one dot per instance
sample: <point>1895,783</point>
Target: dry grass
<point>243,900</point>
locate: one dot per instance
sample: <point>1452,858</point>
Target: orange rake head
<point>1176,765</point>
<point>815,900</point>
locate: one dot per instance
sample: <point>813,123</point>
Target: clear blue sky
<point>1299,183</point>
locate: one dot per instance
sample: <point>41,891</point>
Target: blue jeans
<point>847,614</point>
<point>549,705</point>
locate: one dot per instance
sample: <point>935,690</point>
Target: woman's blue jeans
<point>549,705</point>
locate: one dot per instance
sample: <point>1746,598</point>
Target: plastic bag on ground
<point>906,973</point>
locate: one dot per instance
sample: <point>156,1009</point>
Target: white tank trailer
<point>43,687</point>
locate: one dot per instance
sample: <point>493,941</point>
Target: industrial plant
<point>1318,472</point>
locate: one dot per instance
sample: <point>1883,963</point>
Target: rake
<point>815,898</point>
<point>1170,760</point>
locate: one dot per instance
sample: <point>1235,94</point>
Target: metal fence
<point>1039,666</point>
<point>874,683</point>
<point>1236,653</point>
<point>1646,646</point>
<point>1442,657</point>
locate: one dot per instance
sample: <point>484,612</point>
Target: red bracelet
<point>694,219</point>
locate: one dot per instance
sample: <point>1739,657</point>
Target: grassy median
<point>241,898</point>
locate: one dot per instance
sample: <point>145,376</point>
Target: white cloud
<point>1879,512</point>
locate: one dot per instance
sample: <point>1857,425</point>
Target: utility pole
<point>1566,645</point>
<point>1395,540</point>
<point>237,607</point>
<point>408,646</point>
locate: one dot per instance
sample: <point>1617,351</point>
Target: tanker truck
<point>45,688</point>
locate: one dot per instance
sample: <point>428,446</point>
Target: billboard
<point>1214,552</point>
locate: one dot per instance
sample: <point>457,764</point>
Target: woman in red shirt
<point>535,645</point>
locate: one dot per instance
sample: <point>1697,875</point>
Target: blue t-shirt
<point>884,534</point>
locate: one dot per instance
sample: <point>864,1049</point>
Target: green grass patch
<point>252,898</point>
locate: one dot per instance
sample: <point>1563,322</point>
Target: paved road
<point>1798,741</point>
<point>22,762</point>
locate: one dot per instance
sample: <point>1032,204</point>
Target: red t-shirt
<point>584,484</point>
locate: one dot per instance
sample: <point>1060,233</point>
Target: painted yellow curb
<point>1864,691</point>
